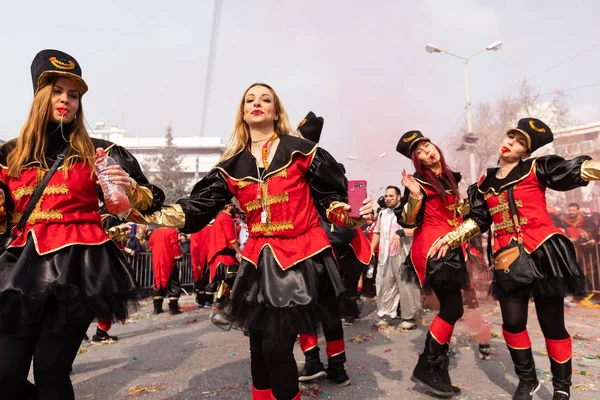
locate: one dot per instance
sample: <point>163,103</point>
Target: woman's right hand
<point>439,249</point>
<point>409,182</point>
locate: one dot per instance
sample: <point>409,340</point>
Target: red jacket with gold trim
<point>489,199</point>
<point>165,251</point>
<point>68,211</point>
<point>222,238</point>
<point>435,218</point>
<point>300,174</point>
<point>199,243</point>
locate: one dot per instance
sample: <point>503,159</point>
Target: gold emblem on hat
<point>302,122</point>
<point>411,137</point>
<point>535,128</point>
<point>62,65</point>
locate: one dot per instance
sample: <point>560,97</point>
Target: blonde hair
<point>241,131</point>
<point>31,143</point>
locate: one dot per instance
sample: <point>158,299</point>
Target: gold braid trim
<point>463,232</point>
<point>116,233</point>
<point>169,216</point>
<point>411,209</point>
<point>590,170</point>
<point>140,197</point>
<point>338,215</point>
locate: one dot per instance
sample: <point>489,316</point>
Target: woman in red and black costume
<point>288,280</point>
<point>557,270</point>
<point>63,269</point>
<point>432,204</point>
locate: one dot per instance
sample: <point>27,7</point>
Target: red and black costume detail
<point>199,243</point>
<point>552,252</point>
<point>433,217</point>
<point>64,266</point>
<point>221,255</point>
<point>165,253</point>
<point>288,281</point>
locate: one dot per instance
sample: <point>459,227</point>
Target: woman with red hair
<point>432,203</point>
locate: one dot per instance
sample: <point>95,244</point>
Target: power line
<point>565,61</point>
<point>212,51</point>
<point>570,90</point>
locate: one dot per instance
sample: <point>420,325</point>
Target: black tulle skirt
<point>49,293</point>
<point>274,302</point>
<point>450,270</point>
<point>556,261</point>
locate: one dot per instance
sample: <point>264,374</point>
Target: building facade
<point>572,142</point>
<point>198,154</point>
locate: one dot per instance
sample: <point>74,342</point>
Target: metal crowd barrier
<point>589,259</point>
<point>141,264</point>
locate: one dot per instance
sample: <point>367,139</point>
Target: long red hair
<point>432,179</point>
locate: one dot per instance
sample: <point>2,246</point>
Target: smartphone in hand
<point>357,193</point>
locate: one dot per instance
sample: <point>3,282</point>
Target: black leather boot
<point>525,370</point>
<point>102,335</point>
<point>336,372</point>
<point>561,379</point>
<point>174,307</point>
<point>427,370</point>
<point>313,367</point>
<point>158,305</point>
<point>443,369</point>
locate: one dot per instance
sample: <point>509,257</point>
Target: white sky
<point>359,64</point>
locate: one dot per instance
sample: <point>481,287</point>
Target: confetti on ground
<point>137,390</point>
<point>586,303</point>
<point>193,321</point>
<point>81,350</point>
<point>103,342</point>
<point>579,336</point>
<point>503,366</point>
<point>387,350</point>
<point>314,391</point>
<point>362,338</point>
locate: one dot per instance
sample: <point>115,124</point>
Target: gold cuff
<point>338,215</point>
<point>411,209</point>
<point>590,170</point>
<point>140,197</point>
<point>170,216</point>
<point>116,233</point>
<point>466,230</point>
<point>464,207</point>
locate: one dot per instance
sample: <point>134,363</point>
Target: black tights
<point>451,304</point>
<point>550,312</point>
<point>273,365</point>
<point>53,355</point>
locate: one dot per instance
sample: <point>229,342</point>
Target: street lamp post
<point>367,163</point>
<point>469,138</point>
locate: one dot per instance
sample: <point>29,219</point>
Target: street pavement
<point>187,357</point>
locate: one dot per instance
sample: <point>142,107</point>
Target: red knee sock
<point>517,341</point>
<point>335,348</point>
<point>261,394</point>
<point>441,330</point>
<point>104,324</point>
<point>308,341</point>
<point>559,350</point>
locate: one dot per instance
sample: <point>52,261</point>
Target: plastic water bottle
<point>115,198</point>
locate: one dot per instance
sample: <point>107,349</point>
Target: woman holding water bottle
<point>61,269</point>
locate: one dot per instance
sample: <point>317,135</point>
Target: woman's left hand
<point>366,209</point>
<point>118,176</point>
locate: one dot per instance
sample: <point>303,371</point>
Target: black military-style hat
<point>537,133</point>
<point>311,126</point>
<point>408,141</point>
<point>49,64</point>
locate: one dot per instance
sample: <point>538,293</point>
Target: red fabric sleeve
<point>228,227</point>
<point>174,244</point>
